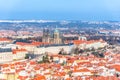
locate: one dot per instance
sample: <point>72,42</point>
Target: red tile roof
<point>117,67</point>
<point>4,39</point>
<point>39,77</point>
<point>82,70</point>
<point>18,50</point>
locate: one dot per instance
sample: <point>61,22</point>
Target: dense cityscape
<point>59,50</point>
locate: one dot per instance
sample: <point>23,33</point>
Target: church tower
<point>56,37</point>
<point>46,35</point>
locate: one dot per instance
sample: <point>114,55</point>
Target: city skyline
<point>60,10</point>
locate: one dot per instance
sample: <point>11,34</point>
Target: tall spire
<point>56,30</point>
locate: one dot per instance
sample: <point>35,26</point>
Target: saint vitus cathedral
<point>54,38</point>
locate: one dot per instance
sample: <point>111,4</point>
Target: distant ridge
<point>22,21</point>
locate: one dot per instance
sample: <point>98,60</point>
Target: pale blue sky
<point>60,9</point>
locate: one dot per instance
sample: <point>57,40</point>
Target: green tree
<point>27,56</point>
<point>77,50</point>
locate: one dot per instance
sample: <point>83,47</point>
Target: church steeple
<point>56,31</point>
<point>46,35</point>
<point>56,36</point>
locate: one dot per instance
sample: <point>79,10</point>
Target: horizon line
<point>52,20</point>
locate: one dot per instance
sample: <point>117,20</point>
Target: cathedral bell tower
<point>46,35</point>
<point>56,37</point>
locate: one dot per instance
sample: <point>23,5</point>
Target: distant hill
<point>14,24</point>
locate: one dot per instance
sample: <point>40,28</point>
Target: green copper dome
<point>56,31</point>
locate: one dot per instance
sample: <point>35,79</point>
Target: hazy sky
<point>60,9</point>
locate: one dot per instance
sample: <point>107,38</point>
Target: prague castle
<point>54,39</point>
